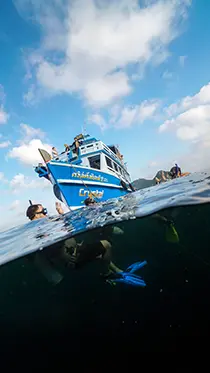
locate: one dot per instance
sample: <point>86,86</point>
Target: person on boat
<point>67,148</point>
<point>75,147</point>
<point>54,153</point>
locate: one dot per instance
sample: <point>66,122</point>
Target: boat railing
<point>90,148</point>
<point>63,157</point>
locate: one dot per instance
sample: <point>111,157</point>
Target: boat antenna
<point>84,130</point>
<point>30,203</point>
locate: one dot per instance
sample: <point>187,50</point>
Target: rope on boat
<point>86,186</point>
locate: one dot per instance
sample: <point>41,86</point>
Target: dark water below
<point>175,301</point>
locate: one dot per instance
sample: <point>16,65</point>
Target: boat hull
<point>73,184</point>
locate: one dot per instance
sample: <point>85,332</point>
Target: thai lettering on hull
<point>90,176</point>
<point>94,193</point>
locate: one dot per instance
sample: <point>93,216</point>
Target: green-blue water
<point>175,301</point>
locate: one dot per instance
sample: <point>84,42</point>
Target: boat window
<point>116,167</point>
<point>108,162</point>
<point>95,161</point>
<point>113,149</point>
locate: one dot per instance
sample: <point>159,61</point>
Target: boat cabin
<point>91,153</point>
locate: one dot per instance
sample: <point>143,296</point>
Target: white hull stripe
<point>70,181</point>
<point>76,207</point>
<point>87,168</point>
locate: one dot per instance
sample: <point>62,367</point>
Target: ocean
<point>175,301</point>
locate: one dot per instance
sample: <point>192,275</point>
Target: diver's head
<point>175,171</point>
<point>89,201</point>
<point>35,212</point>
<point>178,170</point>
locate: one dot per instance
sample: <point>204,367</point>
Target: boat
<point>87,168</point>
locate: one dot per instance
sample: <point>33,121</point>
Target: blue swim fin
<point>129,280</point>
<point>135,266</point>
<point>128,277</point>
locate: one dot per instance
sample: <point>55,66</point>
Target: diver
<point>171,234</point>
<point>75,255</point>
<point>72,253</point>
<point>164,177</point>
<point>90,201</point>
<point>175,172</point>
<point>108,230</point>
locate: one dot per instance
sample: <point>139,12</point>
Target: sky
<point>132,73</point>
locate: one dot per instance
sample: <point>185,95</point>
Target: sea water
<point>175,300</point>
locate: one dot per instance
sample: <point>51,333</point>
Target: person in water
<point>71,252</point>
<point>175,172</point>
<point>165,176</point>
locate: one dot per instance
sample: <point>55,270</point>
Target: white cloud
<point>201,98</point>
<point>193,124</point>
<point>29,132</point>
<point>3,116</point>
<point>190,121</point>
<point>4,144</point>
<point>197,158</point>
<point>29,98</point>
<point>1,176</point>
<point>20,182</point>
<point>87,44</point>
<point>190,116</point>
<point>137,114</point>
<point>14,205</point>
<point>152,164</point>
<point>98,120</point>
<point>28,153</point>
<point>127,116</point>
<point>167,75</point>
<point>105,90</point>
<point>182,60</point>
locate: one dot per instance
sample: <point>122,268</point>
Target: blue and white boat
<point>87,168</point>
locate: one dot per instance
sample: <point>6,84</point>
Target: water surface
<point>175,301</point>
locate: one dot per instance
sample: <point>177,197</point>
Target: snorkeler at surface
<point>70,252</point>
<point>175,172</point>
<point>75,255</point>
<point>164,177</point>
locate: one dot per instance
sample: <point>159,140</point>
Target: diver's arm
<point>163,176</point>
<point>59,208</point>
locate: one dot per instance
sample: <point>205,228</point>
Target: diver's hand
<point>59,208</point>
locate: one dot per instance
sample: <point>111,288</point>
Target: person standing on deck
<point>54,153</point>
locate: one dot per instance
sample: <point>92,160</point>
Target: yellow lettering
<point>94,193</point>
<point>81,193</point>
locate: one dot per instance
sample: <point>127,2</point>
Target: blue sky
<point>134,73</point>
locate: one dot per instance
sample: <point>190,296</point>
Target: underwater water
<point>175,300</point>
